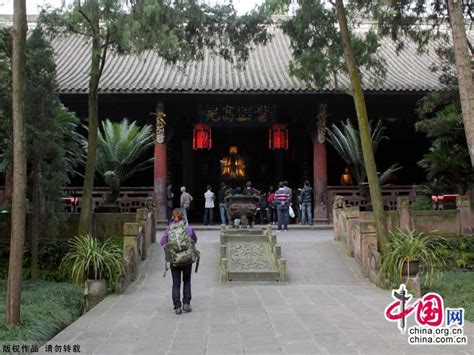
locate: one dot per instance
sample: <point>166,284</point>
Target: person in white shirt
<point>209,206</point>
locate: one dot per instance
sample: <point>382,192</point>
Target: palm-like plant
<point>346,142</point>
<point>91,258</point>
<point>449,162</point>
<point>119,147</point>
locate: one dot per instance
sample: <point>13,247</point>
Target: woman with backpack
<point>178,241</point>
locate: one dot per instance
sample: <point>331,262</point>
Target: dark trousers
<point>176,272</point>
<point>208,216</point>
<point>271,215</point>
<point>169,212</point>
<point>262,215</point>
<point>283,217</point>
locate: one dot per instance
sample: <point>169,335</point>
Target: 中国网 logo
<point>435,324</point>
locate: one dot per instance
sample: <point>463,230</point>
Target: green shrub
<point>92,258</point>
<point>50,255</point>
<point>422,203</point>
<point>458,251</point>
<point>406,246</point>
<point>46,309</point>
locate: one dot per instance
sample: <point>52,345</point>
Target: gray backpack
<point>180,249</point>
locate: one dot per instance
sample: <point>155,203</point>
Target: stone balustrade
<point>137,238</point>
<point>356,229</point>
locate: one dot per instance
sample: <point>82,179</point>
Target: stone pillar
<point>337,209</point>
<point>141,218</point>
<point>130,240</point>
<point>368,236</point>
<point>352,215</point>
<point>160,171</point>
<point>463,204</point>
<point>320,173</point>
<point>403,208</point>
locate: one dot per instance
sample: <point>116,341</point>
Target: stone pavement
<point>327,307</point>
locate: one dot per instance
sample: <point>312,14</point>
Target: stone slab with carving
<point>251,255</point>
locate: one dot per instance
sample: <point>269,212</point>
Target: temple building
<point>216,122</point>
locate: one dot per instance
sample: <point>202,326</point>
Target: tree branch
<point>86,17</point>
<point>104,53</point>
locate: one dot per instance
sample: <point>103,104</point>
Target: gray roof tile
<point>266,71</point>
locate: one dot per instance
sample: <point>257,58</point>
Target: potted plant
<point>119,146</point>
<point>408,253</point>
<point>93,261</point>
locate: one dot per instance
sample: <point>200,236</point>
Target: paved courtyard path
<point>327,307</point>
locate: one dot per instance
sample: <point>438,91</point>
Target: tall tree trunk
<point>12,312</point>
<point>464,71</point>
<point>93,107</point>
<point>36,216</point>
<point>361,110</point>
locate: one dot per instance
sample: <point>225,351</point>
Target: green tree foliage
<point>53,146</point>
<point>180,30</point>
<point>119,147</point>
<point>447,163</point>
<point>424,21</point>
<point>326,39</point>
<point>317,45</point>
<point>53,142</point>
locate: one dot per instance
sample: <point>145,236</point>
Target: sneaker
<point>187,308</point>
<point>178,311</point>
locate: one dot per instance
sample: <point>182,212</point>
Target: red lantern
<point>202,136</point>
<point>278,136</point>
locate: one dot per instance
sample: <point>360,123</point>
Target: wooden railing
<point>352,196</point>
<point>130,198</point>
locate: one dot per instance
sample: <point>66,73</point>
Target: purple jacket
<point>189,230</point>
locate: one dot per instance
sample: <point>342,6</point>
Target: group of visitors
<point>274,207</point>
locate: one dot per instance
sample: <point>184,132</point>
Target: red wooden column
<point>320,169</point>
<point>160,171</point>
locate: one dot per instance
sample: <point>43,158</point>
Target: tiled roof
<point>265,72</point>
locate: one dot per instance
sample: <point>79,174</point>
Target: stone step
<point>253,275</point>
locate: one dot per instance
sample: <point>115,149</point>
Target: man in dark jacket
<point>306,199</point>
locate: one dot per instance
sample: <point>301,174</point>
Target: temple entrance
<point>238,155</point>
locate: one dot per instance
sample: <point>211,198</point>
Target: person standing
<point>209,206</point>
<point>249,190</point>
<point>306,199</point>
<point>185,203</point>
<point>272,213</point>
<point>263,209</point>
<point>221,194</point>
<point>169,202</point>
<point>176,230</point>
<point>282,201</point>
